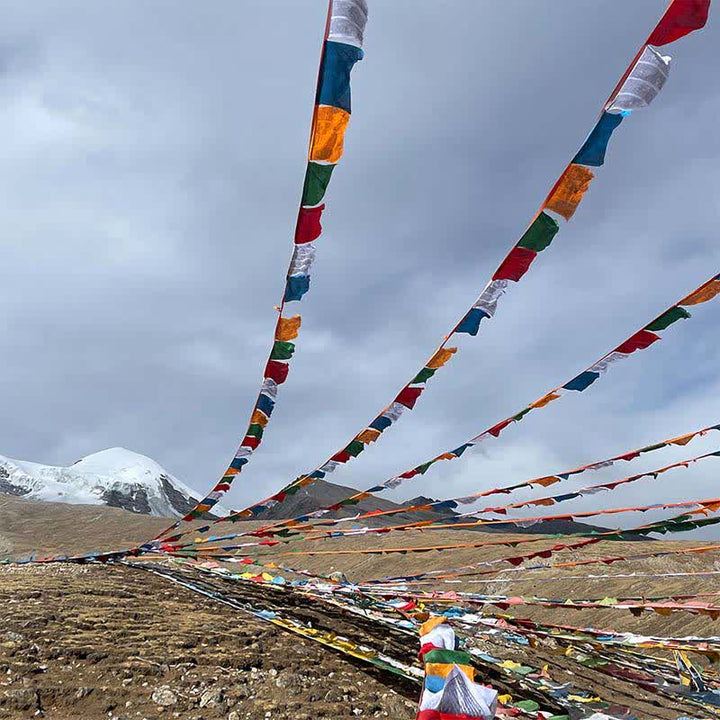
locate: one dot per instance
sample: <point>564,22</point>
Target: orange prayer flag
<point>368,435</point>
<point>682,439</point>
<point>231,471</point>
<point>306,480</point>
<point>259,418</point>
<point>566,197</point>
<point>545,400</point>
<point>703,294</point>
<point>441,357</point>
<point>432,623</point>
<point>288,328</point>
<point>542,501</point>
<point>328,134</point>
<point>446,456</point>
<point>545,481</point>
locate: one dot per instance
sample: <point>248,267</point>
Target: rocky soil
<point>104,642</point>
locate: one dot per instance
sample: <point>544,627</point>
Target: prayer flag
<point>334,86</point>
<point>308,226</point>
<point>593,151</point>
<point>645,81</point>
<point>329,134</point>
<point>296,287</point>
<point>566,197</point>
<point>317,179</point>
<point>515,265</point>
<point>288,328</point>
<point>681,18</point>
<point>540,234</point>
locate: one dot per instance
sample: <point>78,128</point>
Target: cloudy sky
<point>151,165</point>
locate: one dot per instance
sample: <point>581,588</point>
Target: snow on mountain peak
<point>116,477</point>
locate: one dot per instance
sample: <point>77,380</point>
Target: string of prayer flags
<point>456,520</point>
<point>640,340</point>
<point>678,524</point>
<point>342,48</point>
<point>347,21</point>
<point>546,481</point>
<point>672,525</point>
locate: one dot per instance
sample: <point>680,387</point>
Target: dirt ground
<point>84,643</point>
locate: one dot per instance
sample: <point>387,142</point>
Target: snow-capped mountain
<point>115,477</point>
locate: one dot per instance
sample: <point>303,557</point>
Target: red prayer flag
<point>409,474</point>
<point>409,396</point>
<point>308,224</point>
<point>341,457</point>
<point>629,456</point>
<point>495,431</point>
<point>250,441</point>
<point>639,341</point>
<point>220,487</point>
<point>277,371</point>
<point>682,18</point>
<point>515,265</point>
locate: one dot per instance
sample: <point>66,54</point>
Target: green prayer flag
<point>354,448</point>
<point>540,234</point>
<point>668,318</point>
<point>282,350</point>
<point>521,415</point>
<point>317,178</point>
<point>255,430</point>
<point>447,657</point>
<point>526,705</point>
<point>422,469</point>
<point>423,376</point>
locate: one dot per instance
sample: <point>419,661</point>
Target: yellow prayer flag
<point>566,197</point>
<point>288,328</point>
<point>441,357</point>
<point>328,134</point>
